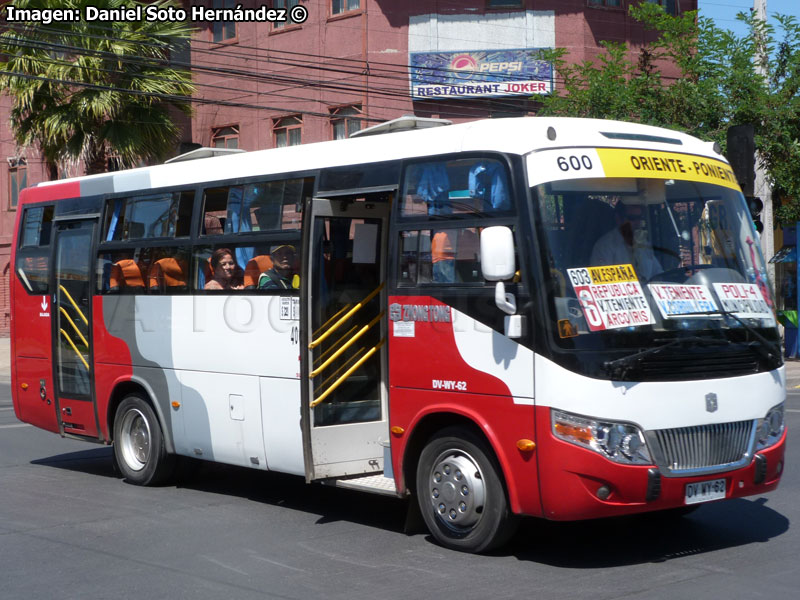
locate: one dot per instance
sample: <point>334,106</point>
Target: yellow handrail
<point>326,323</point>
<point>80,312</point>
<point>325,354</point>
<point>349,343</point>
<point>347,373</point>
<point>346,364</point>
<point>75,348</point>
<point>349,314</point>
<point>71,322</point>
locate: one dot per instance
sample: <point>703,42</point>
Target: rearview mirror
<point>497,253</point>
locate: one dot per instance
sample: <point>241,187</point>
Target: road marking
<point>791,410</point>
<point>13,425</point>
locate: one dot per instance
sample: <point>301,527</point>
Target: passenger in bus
<point>433,188</point>
<point>282,275</point>
<point>227,275</point>
<point>487,183</point>
<point>627,243</point>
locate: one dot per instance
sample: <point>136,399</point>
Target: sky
<point>724,11</point>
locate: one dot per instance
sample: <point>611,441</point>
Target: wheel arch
<point>127,387</point>
<point>431,423</point>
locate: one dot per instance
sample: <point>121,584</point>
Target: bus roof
<point>520,136</point>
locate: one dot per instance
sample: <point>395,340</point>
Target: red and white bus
<point>560,318</point>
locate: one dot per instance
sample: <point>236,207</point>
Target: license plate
<point>704,491</point>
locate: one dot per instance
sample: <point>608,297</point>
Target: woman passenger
<point>227,275</point>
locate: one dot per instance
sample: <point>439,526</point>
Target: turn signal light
<point>24,386</point>
<point>176,404</point>
<point>397,430</point>
<point>526,445</point>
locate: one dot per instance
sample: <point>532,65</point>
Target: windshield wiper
<point>619,368</point>
<point>772,350</point>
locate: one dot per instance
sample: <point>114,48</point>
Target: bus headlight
<point>620,442</point>
<point>770,428</point>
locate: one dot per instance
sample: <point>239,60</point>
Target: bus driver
<point>627,242</point>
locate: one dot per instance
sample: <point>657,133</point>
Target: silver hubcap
<point>135,439</point>
<point>457,491</point>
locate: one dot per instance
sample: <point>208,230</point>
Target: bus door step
<point>377,484</point>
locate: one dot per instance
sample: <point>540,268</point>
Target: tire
<point>139,448</point>
<point>461,494</point>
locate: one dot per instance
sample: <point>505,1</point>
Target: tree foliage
<point>718,85</point>
<point>89,90</point>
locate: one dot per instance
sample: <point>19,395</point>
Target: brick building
<point>347,66</point>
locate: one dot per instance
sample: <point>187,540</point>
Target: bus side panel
<point>32,358</point>
<point>32,316</point>
<point>457,365</point>
<point>30,406</point>
<point>118,357</point>
<point>112,364</point>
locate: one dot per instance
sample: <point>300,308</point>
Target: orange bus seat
<point>255,267</point>
<point>126,273</point>
<point>168,273</point>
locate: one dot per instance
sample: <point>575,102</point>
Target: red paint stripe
<point>57,191</point>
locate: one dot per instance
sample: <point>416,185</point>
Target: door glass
<point>72,307</point>
<point>346,363</point>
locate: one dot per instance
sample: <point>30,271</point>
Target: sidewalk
<point>792,366</point>
<point>5,360</point>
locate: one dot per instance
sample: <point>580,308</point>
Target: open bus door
<point>345,408</point>
<point>71,318</point>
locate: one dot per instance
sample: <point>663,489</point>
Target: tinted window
<point>154,216</point>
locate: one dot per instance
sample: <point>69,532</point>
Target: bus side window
<point>33,256</point>
<point>456,188</point>
<point>151,216</point>
<point>441,256</point>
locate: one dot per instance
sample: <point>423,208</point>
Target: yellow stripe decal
<point>625,162</point>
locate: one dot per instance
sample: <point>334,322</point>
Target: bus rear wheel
<point>460,493</point>
<point>139,447</point>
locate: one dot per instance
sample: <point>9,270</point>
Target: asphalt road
<point>69,528</point>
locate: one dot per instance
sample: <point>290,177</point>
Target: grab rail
<point>349,314</point>
<point>326,323</point>
<point>75,327</point>
<point>347,344</point>
<point>334,345</point>
<point>347,373</point>
<point>344,366</point>
<point>80,312</point>
<point>75,349</point>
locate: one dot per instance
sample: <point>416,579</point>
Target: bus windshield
<point>661,258</point>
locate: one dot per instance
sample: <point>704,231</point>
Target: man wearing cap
<point>281,276</point>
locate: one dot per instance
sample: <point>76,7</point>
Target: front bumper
<point>577,483</point>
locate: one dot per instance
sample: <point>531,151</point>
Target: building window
<point>288,5</point>
<point>341,6</point>
<point>342,122</point>
<point>17,180</point>
<point>504,3</point>
<point>670,6</point>
<point>287,131</point>
<point>222,31</point>
<point>225,137</point>
<point>609,3</point>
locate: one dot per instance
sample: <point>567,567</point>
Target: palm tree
<point>91,90</point>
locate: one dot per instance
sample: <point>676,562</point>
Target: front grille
<point>683,366</point>
<point>702,449</point>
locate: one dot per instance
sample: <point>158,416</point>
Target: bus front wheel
<point>461,494</point>
<point>139,443</point>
